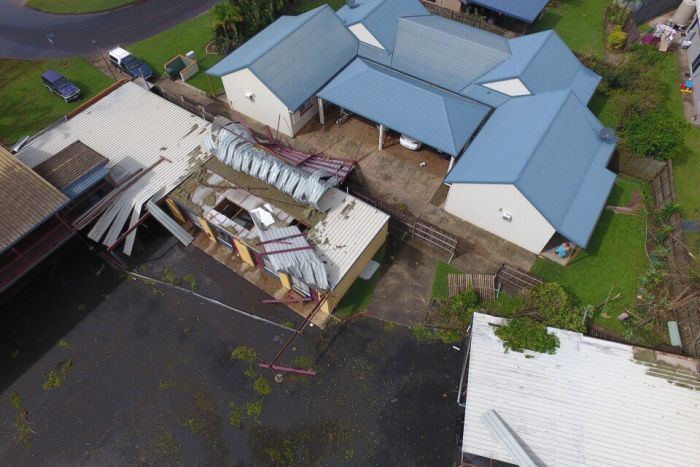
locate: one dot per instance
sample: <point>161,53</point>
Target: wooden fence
<point>403,225</point>
<point>466,18</point>
<point>645,168</point>
<point>483,284</point>
<point>186,104</point>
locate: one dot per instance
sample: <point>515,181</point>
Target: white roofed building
<point>593,402</point>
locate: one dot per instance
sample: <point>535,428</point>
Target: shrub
<point>262,386</point>
<point>244,354</point>
<point>525,333</point>
<point>56,376</point>
<point>617,38</point>
<point>617,13</point>
<point>655,134</point>
<point>254,410</point>
<point>235,415</point>
<point>555,307</point>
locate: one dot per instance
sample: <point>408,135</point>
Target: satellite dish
<point>607,134</point>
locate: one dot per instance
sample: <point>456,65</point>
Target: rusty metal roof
<point>26,200</point>
<point>69,164</point>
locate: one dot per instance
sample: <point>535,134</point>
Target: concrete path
<point>403,292</point>
<point>23,31</point>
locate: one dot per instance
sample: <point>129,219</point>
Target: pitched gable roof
<point>446,53</point>
<point>26,200</point>
<point>544,63</point>
<point>296,55</point>
<point>380,17</point>
<point>557,161</point>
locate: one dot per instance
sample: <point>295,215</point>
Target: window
<point>306,106</point>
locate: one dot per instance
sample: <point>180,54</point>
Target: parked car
<point>129,64</point>
<point>410,143</point>
<point>60,85</point>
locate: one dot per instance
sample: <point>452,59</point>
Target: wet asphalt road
<point>152,380</point>
<point>23,31</point>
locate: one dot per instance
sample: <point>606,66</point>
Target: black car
<point>59,84</point>
<point>129,64</point>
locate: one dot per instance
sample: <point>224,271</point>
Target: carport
<point>431,115</point>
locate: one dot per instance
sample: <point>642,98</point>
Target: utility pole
<point>99,50</point>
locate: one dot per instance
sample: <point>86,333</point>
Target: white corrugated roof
<point>593,402</point>
<point>133,128</point>
<point>346,232</point>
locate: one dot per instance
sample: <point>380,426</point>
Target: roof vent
<point>353,3</point>
<point>607,134</point>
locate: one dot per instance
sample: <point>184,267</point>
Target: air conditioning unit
<point>508,217</point>
<point>250,96</point>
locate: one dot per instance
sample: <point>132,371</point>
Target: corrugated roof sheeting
<point>233,145</point>
<point>484,95</point>
<point>133,128</point>
<point>374,54</point>
<point>593,402</point>
<point>346,232</point>
<point>524,10</point>
<point>436,117</point>
<point>543,62</point>
<point>261,43</point>
<point>301,64</point>
<point>69,164</point>
<point>169,223</point>
<point>446,53</point>
<point>558,160</point>
<point>86,182</point>
<point>381,22</point>
<point>301,262</point>
<point>554,66</point>
<point>26,200</point>
<point>295,56</point>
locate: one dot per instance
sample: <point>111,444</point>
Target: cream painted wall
<point>265,108</point>
<point>299,120</point>
<point>484,204</point>
<point>510,87</point>
<point>363,34</point>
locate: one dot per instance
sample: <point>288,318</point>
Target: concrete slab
<point>402,294</point>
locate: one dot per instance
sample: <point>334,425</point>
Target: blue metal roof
<point>373,53</point>
<point>524,10</point>
<point>428,114</point>
<point>87,181</point>
<point>543,62</point>
<point>484,95</point>
<point>557,160</point>
<point>295,56</point>
<point>444,52</point>
<point>380,16</point>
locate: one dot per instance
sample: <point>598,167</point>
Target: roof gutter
<point>97,97</point>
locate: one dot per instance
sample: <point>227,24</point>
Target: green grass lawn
<point>76,6</point>
<point>360,293</point>
<point>300,6</point>
<point>615,258</point>
<point>578,22</point>
<point>440,285</point>
<point>193,34</point>
<point>26,106</point>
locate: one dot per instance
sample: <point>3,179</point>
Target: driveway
<point>23,31</point>
<point>152,380</point>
